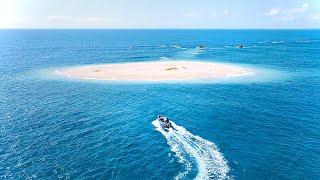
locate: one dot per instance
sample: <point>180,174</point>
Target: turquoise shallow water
<point>261,129</point>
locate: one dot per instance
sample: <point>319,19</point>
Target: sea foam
<point>195,152</point>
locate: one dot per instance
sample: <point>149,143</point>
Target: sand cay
<point>157,71</point>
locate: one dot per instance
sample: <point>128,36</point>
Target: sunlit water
<point>265,127</point>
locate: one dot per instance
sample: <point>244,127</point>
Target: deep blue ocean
<point>54,128</point>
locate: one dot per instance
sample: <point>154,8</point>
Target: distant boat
<point>201,46</point>
<point>239,46</point>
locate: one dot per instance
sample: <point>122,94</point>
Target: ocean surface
<point>54,128</point>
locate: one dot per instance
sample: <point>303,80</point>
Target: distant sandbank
<point>157,71</point>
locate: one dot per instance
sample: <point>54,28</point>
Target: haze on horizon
<point>204,14</point>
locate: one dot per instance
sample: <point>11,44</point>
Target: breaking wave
<point>195,152</point>
<point>277,42</point>
<point>177,47</point>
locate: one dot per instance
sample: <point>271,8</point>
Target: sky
<point>193,14</point>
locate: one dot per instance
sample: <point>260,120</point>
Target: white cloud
<point>288,14</point>
<point>316,16</point>
<point>214,14</point>
<point>305,5</point>
<point>272,12</point>
<point>59,18</point>
<point>287,11</point>
<point>188,15</point>
<point>300,9</point>
<point>81,21</point>
<point>226,12</point>
<point>94,19</point>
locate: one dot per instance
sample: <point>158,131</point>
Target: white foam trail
<point>193,150</point>
<point>178,47</point>
<point>164,58</point>
<point>277,42</point>
<point>306,41</point>
<point>190,53</point>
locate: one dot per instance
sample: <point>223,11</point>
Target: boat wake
<point>189,53</point>
<point>195,152</point>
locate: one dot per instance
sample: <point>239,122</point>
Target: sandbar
<point>157,71</point>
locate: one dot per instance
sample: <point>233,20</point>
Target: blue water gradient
<point>53,128</point>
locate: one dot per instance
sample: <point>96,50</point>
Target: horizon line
<point>97,28</point>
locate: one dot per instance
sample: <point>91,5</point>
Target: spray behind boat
<point>195,153</point>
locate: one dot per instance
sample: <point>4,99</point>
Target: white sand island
<point>157,71</point>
